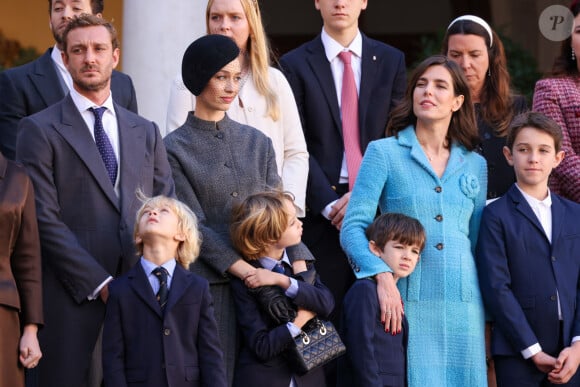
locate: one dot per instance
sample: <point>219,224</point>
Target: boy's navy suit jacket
<point>522,274</point>
<point>145,347</point>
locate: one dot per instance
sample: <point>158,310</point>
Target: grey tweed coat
<point>215,165</point>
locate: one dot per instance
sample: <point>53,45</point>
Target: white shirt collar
<point>332,48</point>
<point>269,263</point>
<point>149,266</point>
<point>83,103</point>
<point>532,201</point>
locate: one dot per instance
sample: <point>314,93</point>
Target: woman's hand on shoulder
<point>390,303</point>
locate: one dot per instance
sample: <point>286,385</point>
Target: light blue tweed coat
<point>442,299</point>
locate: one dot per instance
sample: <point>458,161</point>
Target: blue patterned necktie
<point>163,292</point>
<point>104,145</point>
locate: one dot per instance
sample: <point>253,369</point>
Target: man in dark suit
<point>529,266</point>
<point>315,73</point>
<point>86,204</point>
<point>32,87</point>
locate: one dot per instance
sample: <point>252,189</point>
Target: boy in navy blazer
<point>375,357</point>
<point>528,257</point>
<point>159,327</point>
<point>263,226</point>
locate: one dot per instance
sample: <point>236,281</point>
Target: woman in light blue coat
<point>427,169</point>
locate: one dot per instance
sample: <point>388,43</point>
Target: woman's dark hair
<point>496,94</point>
<point>462,128</point>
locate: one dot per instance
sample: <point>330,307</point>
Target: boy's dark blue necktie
<point>104,144</point>
<point>163,293</point>
<point>278,268</point>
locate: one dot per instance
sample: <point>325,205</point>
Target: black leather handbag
<point>317,344</point>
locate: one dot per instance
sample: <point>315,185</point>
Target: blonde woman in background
<point>265,100</point>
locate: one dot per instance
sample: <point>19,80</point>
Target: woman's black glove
<point>274,303</point>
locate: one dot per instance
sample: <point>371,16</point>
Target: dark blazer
<point>383,81</point>
<point>520,272</point>
<point>85,229</point>
<point>261,361</point>
<point>374,357</point>
<point>21,290</point>
<point>144,347</point>
<point>32,87</point>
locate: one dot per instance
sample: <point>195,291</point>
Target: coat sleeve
<point>361,211</point>
<point>25,260</point>
<point>295,168</point>
<point>76,268</point>
<point>547,101</point>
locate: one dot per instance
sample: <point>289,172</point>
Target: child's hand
<point>263,277</point>
<point>303,316</point>
<point>544,362</point>
<point>566,364</point>
<point>299,266</point>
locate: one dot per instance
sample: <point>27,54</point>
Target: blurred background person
<point>471,43</point>
<point>558,97</point>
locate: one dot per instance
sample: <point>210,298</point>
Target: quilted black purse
<point>317,344</point>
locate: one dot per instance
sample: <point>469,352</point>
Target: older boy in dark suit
<point>529,266</point>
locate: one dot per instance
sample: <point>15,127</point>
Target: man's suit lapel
<point>74,130</point>
<point>133,153</point>
<point>370,63</point>
<point>140,284</point>
<point>46,80</point>
<point>321,69</point>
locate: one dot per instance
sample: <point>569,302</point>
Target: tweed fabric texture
<point>442,299</point>
<point>559,99</point>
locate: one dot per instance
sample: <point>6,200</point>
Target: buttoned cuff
<point>531,351</point>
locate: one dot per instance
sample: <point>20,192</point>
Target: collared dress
<point>442,299</point>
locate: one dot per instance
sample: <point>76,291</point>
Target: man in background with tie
<point>345,85</point>
<point>86,156</point>
<point>30,88</point>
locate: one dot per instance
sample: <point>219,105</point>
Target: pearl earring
<point>573,55</point>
